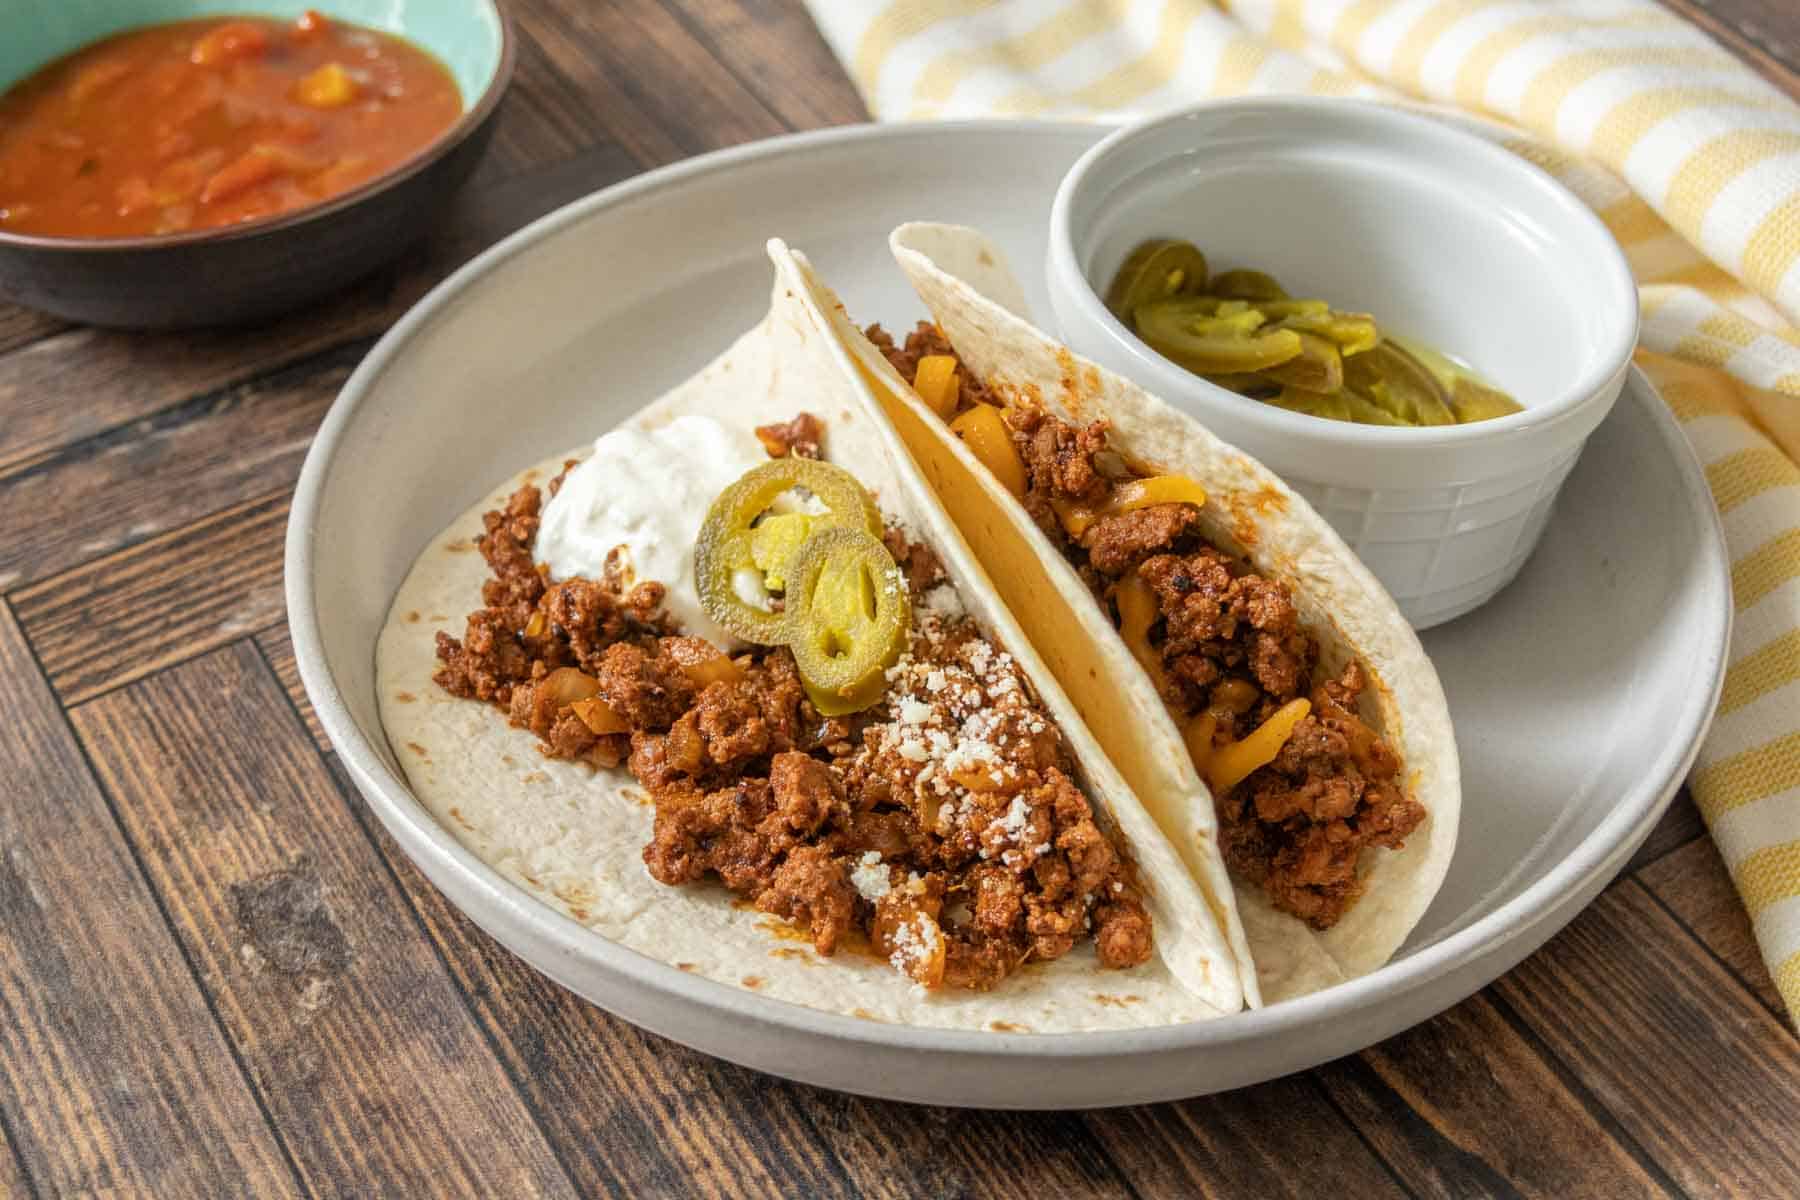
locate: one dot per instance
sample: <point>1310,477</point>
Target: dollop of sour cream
<point>648,491</point>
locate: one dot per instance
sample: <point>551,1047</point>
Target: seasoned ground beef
<point>799,437</point>
<point>923,340</point>
<point>942,825</point>
<point>1231,647</point>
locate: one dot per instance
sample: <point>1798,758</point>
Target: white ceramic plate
<point>1579,695</point>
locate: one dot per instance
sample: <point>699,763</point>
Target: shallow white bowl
<point>1446,238</point>
<point>1578,706</point>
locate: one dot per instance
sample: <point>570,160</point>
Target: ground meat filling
<point>1231,646</point>
<point>940,828</point>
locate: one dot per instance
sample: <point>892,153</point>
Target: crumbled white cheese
<point>1017,821</point>
<point>913,712</point>
<point>916,942</point>
<point>870,877</point>
<point>944,602</point>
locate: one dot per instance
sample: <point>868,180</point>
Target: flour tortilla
<point>963,280</point>
<point>574,837</point>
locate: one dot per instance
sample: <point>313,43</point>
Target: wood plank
<point>773,48</point>
<point>1704,1079</point>
<point>13,1180</point>
<point>22,326</point>
<point>359,1044</point>
<point>1679,827</point>
<point>1764,33</point>
<point>114,1075</point>
<point>907,1150</point>
<point>633,1114</point>
<point>160,602</point>
<point>87,381</point>
<point>278,648</point>
<point>1464,1105</point>
<point>544,118</point>
<point>91,382</point>
<point>1244,1144</point>
<point>1693,884</point>
<point>157,475</point>
<point>642,79</point>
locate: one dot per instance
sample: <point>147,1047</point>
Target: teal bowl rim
<point>472,119</point>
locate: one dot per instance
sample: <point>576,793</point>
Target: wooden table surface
<point>218,976</point>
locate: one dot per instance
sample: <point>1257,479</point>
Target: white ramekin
<point>1446,238</point>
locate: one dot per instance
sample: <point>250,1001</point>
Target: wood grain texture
<point>157,475</point>
<point>13,1180</point>
<point>642,78</point>
<point>114,1075</point>
<point>160,602</point>
<point>1277,1139</point>
<point>278,648</point>
<point>775,51</point>
<point>1464,1105</point>
<point>1680,826</point>
<point>21,326</point>
<point>1692,884</point>
<point>357,1040</point>
<point>1711,1097</point>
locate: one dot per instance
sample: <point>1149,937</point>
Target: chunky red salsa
<point>199,124</point>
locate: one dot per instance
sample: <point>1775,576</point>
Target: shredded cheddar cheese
<point>1234,761</point>
<point>936,384</point>
<point>985,433</point>
<point>1128,496</point>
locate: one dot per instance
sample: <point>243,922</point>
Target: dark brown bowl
<point>258,270</point>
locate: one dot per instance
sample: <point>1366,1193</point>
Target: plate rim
<point>1603,850</point>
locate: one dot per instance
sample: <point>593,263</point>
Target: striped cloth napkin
<point>1691,159</point>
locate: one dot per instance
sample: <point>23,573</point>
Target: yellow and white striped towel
<point>1691,159</point>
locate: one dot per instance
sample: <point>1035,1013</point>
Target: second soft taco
<point>1275,712</point>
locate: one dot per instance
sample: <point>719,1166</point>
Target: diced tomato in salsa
<point>200,124</point>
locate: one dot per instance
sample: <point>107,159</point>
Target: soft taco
<point>734,692</point>
<point>1251,680</point>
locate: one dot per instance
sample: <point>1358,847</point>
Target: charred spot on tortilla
<point>1303,786</point>
<point>419,750</point>
<point>405,697</point>
<point>926,813</point>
